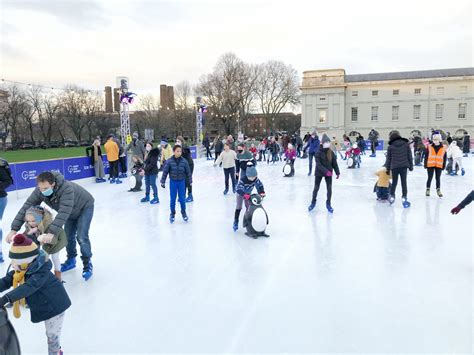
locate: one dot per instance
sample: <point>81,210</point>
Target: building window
<point>395,113</point>
<point>416,112</point>
<point>463,89</point>
<point>462,111</point>
<point>323,78</point>
<point>417,91</point>
<point>375,113</point>
<point>396,92</point>
<point>354,112</point>
<point>355,93</point>
<point>375,93</point>
<point>440,91</point>
<point>322,98</point>
<point>439,111</point>
<point>322,116</point>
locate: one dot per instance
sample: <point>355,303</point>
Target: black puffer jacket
<point>399,154</point>
<point>6,178</point>
<point>466,143</point>
<point>187,155</point>
<point>68,198</point>
<point>323,164</point>
<point>151,161</point>
<point>90,153</point>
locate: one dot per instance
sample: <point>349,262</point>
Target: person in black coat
<point>43,292</point>
<point>207,144</point>
<point>466,144</point>
<point>399,160</point>
<point>187,155</point>
<point>180,175</point>
<point>463,203</point>
<point>6,180</point>
<point>326,162</point>
<point>150,171</point>
<point>218,147</point>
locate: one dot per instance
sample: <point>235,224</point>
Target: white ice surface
<point>369,278</point>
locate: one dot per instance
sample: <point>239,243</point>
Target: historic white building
<point>420,100</point>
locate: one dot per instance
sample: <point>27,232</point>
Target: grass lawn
<point>17,156</point>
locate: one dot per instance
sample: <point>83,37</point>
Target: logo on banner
<point>73,169</point>
<point>28,175</point>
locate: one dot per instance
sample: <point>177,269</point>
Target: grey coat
<point>68,198</point>
<point>137,148</point>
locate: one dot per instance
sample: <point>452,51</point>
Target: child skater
<point>180,175</point>
<point>34,284</point>
<point>382,185</point>
<point>244,188</point>
<point>150,171</point>
<point>37,221</point>
<point>290,156</point>
<point>228,158</point>
<point>455,153</point>
<point>326,162</point>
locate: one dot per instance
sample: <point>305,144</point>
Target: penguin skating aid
<point>256,218</point>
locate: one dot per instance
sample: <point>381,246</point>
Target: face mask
<point>47,192</point>
<point>326,145</point>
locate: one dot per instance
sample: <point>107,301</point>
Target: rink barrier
<point>24,174</point>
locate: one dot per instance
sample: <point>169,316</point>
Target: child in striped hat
<point>37,221</point>
<point>33,281</point>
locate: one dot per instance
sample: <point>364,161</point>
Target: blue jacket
<point>245,186</point>
<point>178,169</point>
<point>313,144</point>
<point>44,293</point>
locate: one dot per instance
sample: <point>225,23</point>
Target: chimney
<point>108,99</point>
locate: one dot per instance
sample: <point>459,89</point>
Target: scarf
<point>18,279</point>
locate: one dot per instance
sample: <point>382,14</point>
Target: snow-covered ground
<point>368,278</point>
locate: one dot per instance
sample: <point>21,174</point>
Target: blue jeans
<point>150,180</point>
<point>177,187</point>
<point>79,229</point>
<point>383,193</point>
<point>3,204</point>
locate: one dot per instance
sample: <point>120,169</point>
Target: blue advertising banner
<point>379,147</point>
<point>78,168</point>
<point>25,173</point>
<point>193,150</point>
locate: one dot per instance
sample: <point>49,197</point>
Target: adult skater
<point>374,142</point>
<point>228,158</point>
<point>5,181</point>
<point>313,147</point>
<point>207,144</point>
<point>455,154</point>
<point>435,162</point>
<point>244,158</point>
<point>178,169</point>
<point>187,155</point>
<point>150,171</point>
<point>218,147</point>
<point>399,159</point>
<point>272,151</point>
<point>112,151</point>
<point>326,162</point>
<point>463,203</point>
<point>299,145</point>
<point>466,144</point>
<point>75,207</point>
<point>94,152</point>
<point>136,147</point>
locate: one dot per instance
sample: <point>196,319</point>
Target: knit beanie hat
<point>135,135</point>
<point>164,141</point>
<point>23,250</point>
<point>325,139</point>
<point>37,212</point>
<point>251,172</point>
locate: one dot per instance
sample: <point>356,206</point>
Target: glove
<point>411,169</point>
<point>329,173</point>
<point>456,210</point>
<point>387,171</point>
<point>46,238</point>
<point>3,301</point>
<point>337,177</point>
<point>246,197</point>
<point>163,185</point>
<point>262,194</point>
<point>237,176</point>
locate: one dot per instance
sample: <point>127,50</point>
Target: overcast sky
<point>57,42</point>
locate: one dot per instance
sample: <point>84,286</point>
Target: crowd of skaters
<point>58,213</point>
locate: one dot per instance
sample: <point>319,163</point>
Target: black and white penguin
<point>287,169</point>
<point>135,180</point>
<point>256,218</point>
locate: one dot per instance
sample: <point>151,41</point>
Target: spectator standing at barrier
<point>112,150</point>
<point>75,207</point>
<point>6,180</point>
<point>95,153</point>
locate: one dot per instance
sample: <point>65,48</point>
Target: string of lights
<point>50,88</point>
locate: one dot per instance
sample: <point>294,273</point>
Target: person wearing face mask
<point>435,162</point>
<point>244,159</point>
<point>75,207</point>
<point>326,162</point>
<point>136,147</point>
<point>150,171</point>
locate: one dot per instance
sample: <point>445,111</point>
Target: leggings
<point>402,172</point>
<point>123,164</point>
<point>208,153</point>
<point>189,186</point>
<point>311,157</point>
<point>432,171</point>
<point>56,261</point>
<point>229,172</point>
<point>317,183</point>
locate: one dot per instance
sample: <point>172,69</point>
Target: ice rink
<point>370,278</point>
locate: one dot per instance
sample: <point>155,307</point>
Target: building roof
<point>420,74</point>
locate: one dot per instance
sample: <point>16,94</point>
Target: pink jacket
<point>290,154</point>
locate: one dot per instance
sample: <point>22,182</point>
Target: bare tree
<point>48,116</point>
<point>277,87</point>
<point>28,112</point>
<point>183,111</point>
<point>73,110</point>
<point>11,118</point>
